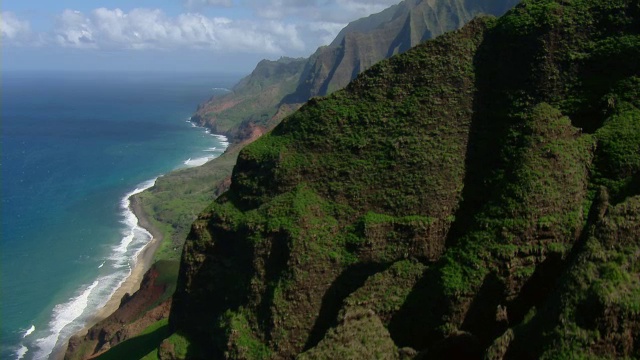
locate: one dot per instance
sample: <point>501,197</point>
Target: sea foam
<point>130,220</point>
<point>21,352</point>
<point>199,161</point>
<point>29,331</point>
<point>63,315</point>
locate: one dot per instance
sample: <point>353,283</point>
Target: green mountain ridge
<point>277,88</point>
<point>474,197</point>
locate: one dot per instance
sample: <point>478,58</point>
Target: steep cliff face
<point>477,196</point>
<point>276,89</point>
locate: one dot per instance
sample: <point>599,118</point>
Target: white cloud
<point>281,27</point>
<point>13,28</point>
<point>152,29</point>
<point>73,29</point>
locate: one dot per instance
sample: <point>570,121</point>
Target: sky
<point>161,35</point>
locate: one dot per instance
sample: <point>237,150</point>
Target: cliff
<point>277,88</point>
<point>475,197</point>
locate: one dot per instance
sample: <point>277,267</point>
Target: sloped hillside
<point>475,197</point>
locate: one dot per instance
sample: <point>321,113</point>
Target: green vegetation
<point>385,292</point>
<point>245,345</point>
<point>360,335</point>
<point>618,155</point>
<point>179,345</point>
<point>598,297</point>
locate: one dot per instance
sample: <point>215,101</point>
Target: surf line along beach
<point>141,237</point>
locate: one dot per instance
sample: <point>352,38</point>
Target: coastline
<point>132,283</point>
<point>144,259</point>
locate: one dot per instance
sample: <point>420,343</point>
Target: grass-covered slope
<point>475,197</point>
<point>177,198</point>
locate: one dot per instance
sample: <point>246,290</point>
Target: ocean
<point>74,146</point>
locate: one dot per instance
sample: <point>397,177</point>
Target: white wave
<point>130,219</point>
<point>101,265</point>
<point>142,187</point>
<point>29,331</point>
<point>21,352</point>
<point>222,139</point>
<point>63,315</point>
<point>199,161</point>
<point>72,316</point>
<point>221,89</point>
<point>204,159</point>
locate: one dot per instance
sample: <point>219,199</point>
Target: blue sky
<point>178,35</point>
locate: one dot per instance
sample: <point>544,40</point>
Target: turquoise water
<point>73,147</point>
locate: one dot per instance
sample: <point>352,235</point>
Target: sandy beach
<point>143,263</point>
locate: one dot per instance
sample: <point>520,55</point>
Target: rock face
<point>277,88</point>
<point>475,197</point>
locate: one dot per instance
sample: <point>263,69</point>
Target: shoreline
<point>143,262</point>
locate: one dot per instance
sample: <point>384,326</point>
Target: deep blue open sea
<point>74,146</point>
